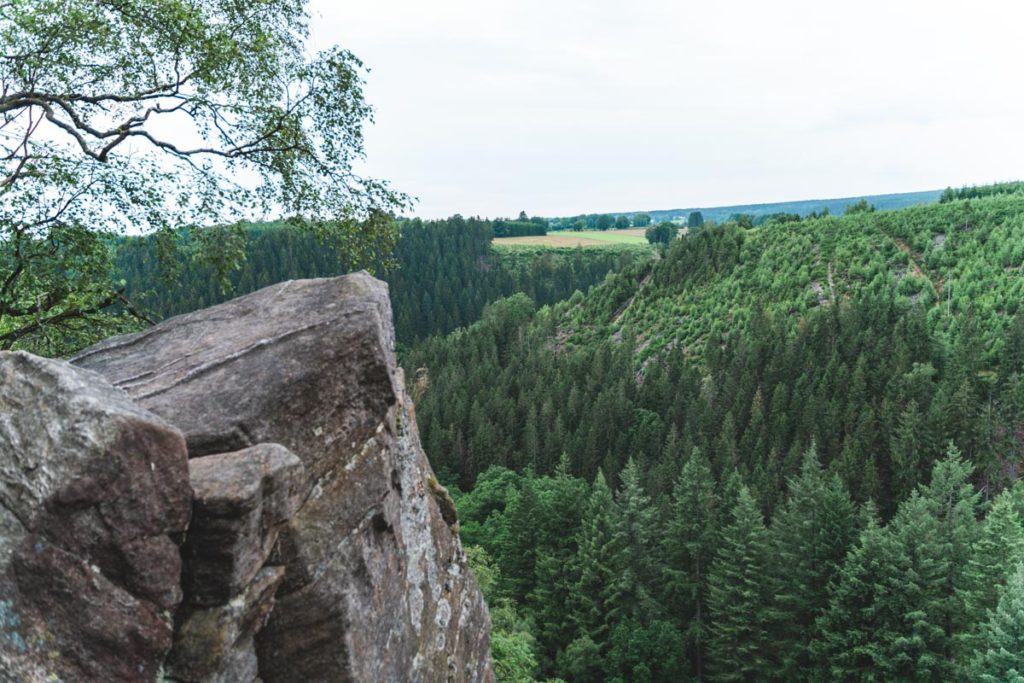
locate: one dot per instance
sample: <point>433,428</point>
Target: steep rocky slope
<point>320,546</point>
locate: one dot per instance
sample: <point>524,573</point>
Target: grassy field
<point>586,238</point>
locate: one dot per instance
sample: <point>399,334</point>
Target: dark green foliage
<point>736,380</point>
<point>523,227</point>
<point>861,206</point>
<point>695,220</point>
<point>689,542</point>
<point>443,272</point>
<point>738,598</point>
<point>809,539</point>
<point>662,233</point>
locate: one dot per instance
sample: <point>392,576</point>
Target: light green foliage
<point>954,257</point>
<point>89,94</point>
<point>1000,658</point>
<point>512,644</point>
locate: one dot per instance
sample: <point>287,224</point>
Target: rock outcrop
<point>94,497</point>
<point>375,585</point>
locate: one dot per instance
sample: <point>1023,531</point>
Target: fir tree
<point>1000,657</point>
<point>592,564</point>
<point>689,544</point>
<point>810,537</point>
<point>998,550</point>
<point>737,599</point>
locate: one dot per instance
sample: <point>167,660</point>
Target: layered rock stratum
<point>320,547</point>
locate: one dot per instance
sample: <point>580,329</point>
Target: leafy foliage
<point>154,116</point>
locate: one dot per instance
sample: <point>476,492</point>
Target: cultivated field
<point>586,238</point>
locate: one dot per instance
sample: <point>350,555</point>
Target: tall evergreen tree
<point>561,501</point>
<point>995,554</point>
<point>810,537</point>
<point>689,543</point>
<point>1000,657</point>
<point>635,567</point>
<point>592,565</point>
<point>738,648</point>
<point>955,506</point>
<point>852,630</point>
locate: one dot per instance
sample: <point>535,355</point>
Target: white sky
<point>562,107</point>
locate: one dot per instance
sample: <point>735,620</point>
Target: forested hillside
<point>781,453</point>
<point>442,273</point>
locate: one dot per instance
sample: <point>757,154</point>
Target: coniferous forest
<point>441,273</point>
<point>777,453</point>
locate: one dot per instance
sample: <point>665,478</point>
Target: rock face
<point>375,584</point>
<point>242,500</point>
<point>94,496</point>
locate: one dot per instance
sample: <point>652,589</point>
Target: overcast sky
<point>561,107</point>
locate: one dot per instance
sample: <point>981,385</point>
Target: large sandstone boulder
<point>94,497</point>
<point>376,586</point>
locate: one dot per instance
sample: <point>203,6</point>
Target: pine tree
<point>905,449</point>
<point>737,599</point>
<point>810,537</point>
<point>592,565</point>
<point>1000,657</point>
<point>520,549</point>
<point>853,630</point>
<point>998,550</point>
<point>954,505</point>
<point>916,600</point>
<point>635,567</point>
<point>561,500</point>
<point>688,546</point>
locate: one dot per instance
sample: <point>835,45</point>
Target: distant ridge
<point>836,206</point>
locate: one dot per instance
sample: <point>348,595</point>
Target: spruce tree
<point>1000,656</point>
<point>737,598</point>
<point>852,631</point>
<point>592,565</point>
<point>954,505</point>
<point>688,546</point>
<point>561,501</point>
<point>635,567</point>
<point>810,537</point>
<point>994,556</point>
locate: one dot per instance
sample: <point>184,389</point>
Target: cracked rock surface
<point>375,584</point>
<point>94,497</point>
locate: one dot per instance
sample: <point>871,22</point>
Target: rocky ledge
<point>234,494</point>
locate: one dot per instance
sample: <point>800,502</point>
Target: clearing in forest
<point>585,238</point>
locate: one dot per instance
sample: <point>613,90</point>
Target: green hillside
<point>952,260</point>
<point>691,471</point>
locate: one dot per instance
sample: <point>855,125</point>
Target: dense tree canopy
<point>812,458</point>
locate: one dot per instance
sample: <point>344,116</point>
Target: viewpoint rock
<point>375,586</point>
<point>94,497</point>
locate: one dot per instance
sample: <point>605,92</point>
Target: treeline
<point>443,272</point>
<point>524,226</point>
<point>601,581</point>
<point>978,191</point>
